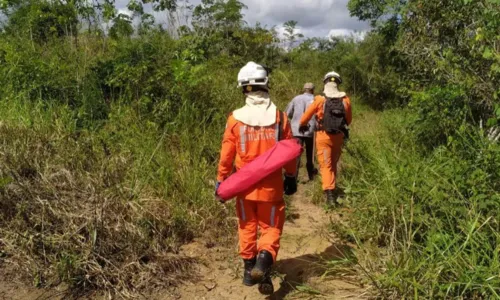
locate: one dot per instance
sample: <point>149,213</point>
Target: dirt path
<point>305,249</point>
<point>300,273</point>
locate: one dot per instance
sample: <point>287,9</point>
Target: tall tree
<point>291,33</point>
<point>443,42</point>
<point>122,27</point>
<point>217,23</point>
<point>40,20</point>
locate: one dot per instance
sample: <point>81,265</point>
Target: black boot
<point>247,278</point>
<point>262,267</point>
<point>266,286</point>
<point>331,200</point>
<point>311,173</point>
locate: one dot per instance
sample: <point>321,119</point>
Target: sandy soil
<point>299,272</point>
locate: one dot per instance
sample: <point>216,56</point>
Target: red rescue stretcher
<point>261,167</point>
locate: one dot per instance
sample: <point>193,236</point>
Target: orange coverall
<point>263,206</point>
<point>328,146</point>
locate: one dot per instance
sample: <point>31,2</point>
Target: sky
<point>316,18</point>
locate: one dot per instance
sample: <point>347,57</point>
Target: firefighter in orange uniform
<point>251,131</point>
<point>333,113</point>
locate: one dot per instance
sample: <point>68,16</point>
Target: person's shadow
<point>299,269</point>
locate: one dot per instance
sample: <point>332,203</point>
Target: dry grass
<point>70,214</point>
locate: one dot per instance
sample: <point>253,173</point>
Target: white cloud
<point>315,18</point>
<point>281,31</point>
<point>347,33</point>
<point>340,32</point>
<point>125,11</point>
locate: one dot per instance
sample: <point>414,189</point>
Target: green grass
<point>429,220</point>
<point>102,179</point>
<point>102,207</point>
<point>109,148</point>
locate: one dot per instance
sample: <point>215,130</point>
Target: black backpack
<point>334,120</point>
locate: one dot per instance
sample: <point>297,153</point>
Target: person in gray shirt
<point>295,110</point>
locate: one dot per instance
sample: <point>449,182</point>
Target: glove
<point>217,196</point>
<point>303,128</point>
<point>345,130</point>
<point>290,185</point>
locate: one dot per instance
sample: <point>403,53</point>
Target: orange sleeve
<point>228,150</point>
<point>291,167</point>
<point>310,111</point>
<point>348,110</point>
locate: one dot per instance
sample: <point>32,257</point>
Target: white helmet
<point>332,74</point>
<point>252,74</point>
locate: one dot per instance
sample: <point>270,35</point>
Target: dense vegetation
<point>110,128</point>
<point>426,186</point>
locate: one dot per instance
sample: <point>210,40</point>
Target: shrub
<point>435,212</point>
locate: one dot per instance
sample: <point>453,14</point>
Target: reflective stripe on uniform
<point>242,208</point>
<point>273,213</point>
<point>277,131</point>
<point>243,140</point>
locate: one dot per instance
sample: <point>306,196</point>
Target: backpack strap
<point>282,119</point>
<point>320,122</point>
<point>279,126</point>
